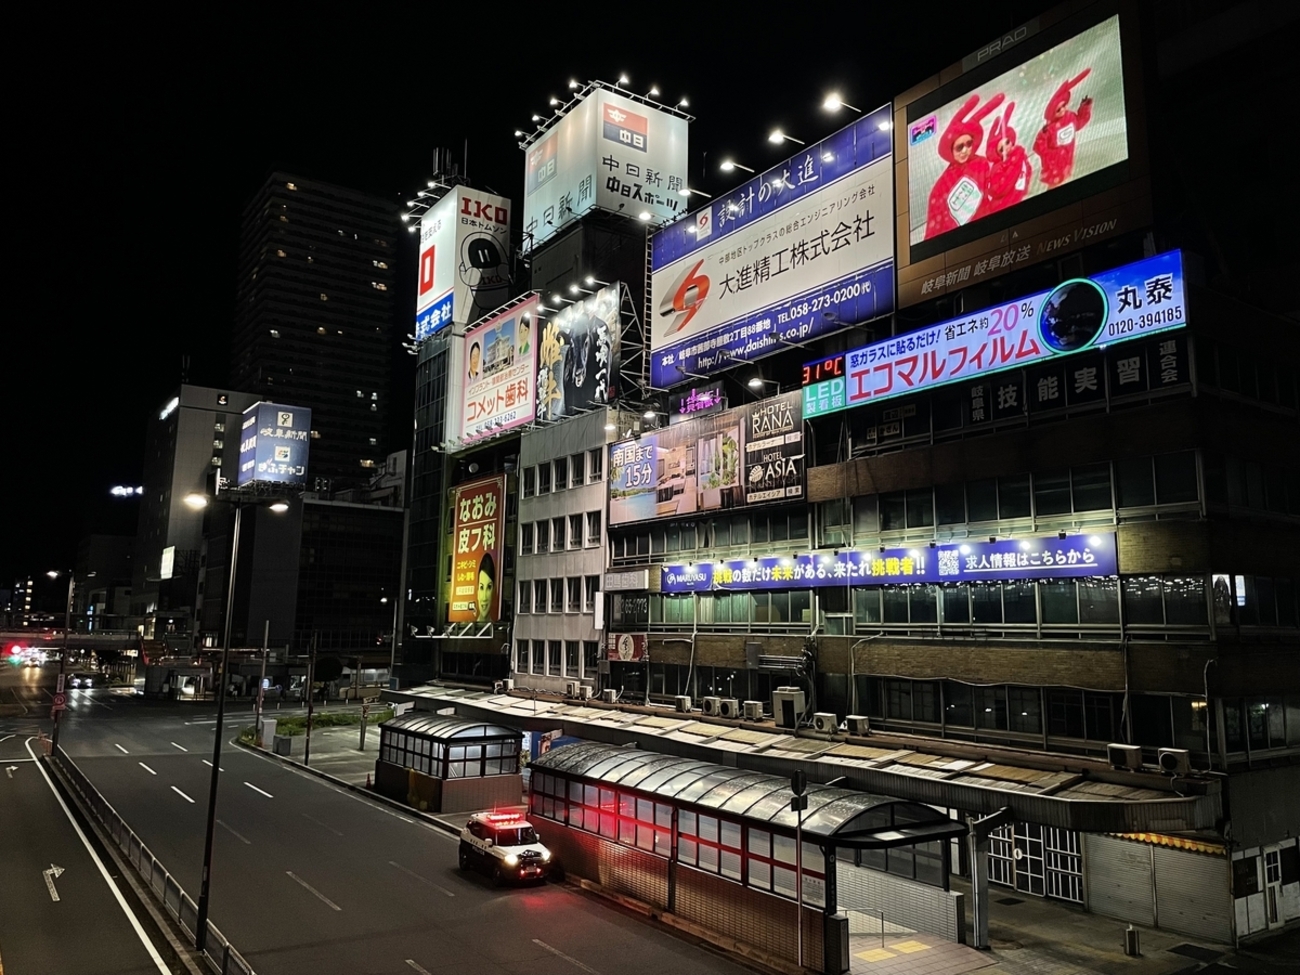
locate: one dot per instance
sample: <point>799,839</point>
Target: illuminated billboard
<point>801,251</point>
<point>1054,557</point>
<point>500,371</point>
<point>463,270</point>
<point>478,532</point>
<point>577,356</point>
<point>1076,316</point>
<point>749,455</point>
<point>1030,148</point>
<point>1053,120</point>
<point>608,151</point>
<point>273,444</point>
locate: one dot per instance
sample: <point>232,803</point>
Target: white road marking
<point>264,792</point>
<point>322,825</point>
<point>6,738</point>
<point>308,887</point>
<point>419,968</point>
<point>210,721</point>
<point>181,747</point>
<point>423,880</point>
<point>49,875</point>
<point>182,795</point>
<point>117,894</point>
<point>209,764</point>
<point>147,769</point>
<point>120,749</point>
<point>237,836</point>
<point>559,954</point>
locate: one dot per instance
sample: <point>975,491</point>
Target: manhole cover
<point>1016,900</point>
<point>1196,951</point>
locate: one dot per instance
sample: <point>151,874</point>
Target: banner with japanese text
<point>1075,556</point>
<point>1079,315</point>
<point>500,371</point>
<point>804,250</point>
<point>608,151</point>
<point>748,455</point>
<point>463,270</point>
<point>478,534</point>
<point>274,441</point>
<point>626,646</point>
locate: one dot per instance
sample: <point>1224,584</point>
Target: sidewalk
<point>1029,935</point>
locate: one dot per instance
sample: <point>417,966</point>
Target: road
<point>310,877</point>
<point>61,911</point>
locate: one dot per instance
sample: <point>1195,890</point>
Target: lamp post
<point>63,657</point>
<point>199,501</point>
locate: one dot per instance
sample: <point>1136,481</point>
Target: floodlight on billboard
<point>274,442</point>
<point>608,152</point>
<point>1047,127</point>
<point>478,532</point>
<point>578,356</point>
<point>1129,302</point>
<point>463,270</point>
<point>744,456</point>
<point>500,371</point>
<point>801,251</point>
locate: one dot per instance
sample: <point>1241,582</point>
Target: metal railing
<point>220,954</point>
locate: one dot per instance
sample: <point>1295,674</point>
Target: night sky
<point>137,144</point>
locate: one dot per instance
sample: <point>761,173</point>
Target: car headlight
<point>511,860</point>
<point>546,856</point>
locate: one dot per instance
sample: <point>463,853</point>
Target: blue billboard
<point>803,250</point>
<point>1129,302</point>
<point>1072,557</point>
<point>273,444</point>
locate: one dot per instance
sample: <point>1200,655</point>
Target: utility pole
<point>261,682</point>
<point>311,678</point>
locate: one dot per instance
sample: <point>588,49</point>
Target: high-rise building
<point>191,437</point>
<point>313,319</point>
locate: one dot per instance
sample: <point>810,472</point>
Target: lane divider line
<point>147,769</point>
<point>419,968</point>
<point>264,792</point>
<point>120,749</point>
<point>209,765</point>
<point>559,954</point>
<point>182,795</point>
<point>181,747</point>
<point>236,835</point>
<point>312,890</point>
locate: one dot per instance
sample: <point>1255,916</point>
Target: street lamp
<point>777,137</point>
<point>199,501</point>
<point>834,103</point>
<point>63,657</point>
<point>727,165</point>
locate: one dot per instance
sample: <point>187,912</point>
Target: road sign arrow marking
<point>54,871</point>
<point>10,770</point>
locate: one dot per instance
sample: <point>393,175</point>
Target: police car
<point>505,846</point>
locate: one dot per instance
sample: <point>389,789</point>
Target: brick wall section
<point>1096,669</point>
<point>619,869</point>
<point>487,792</point>
<point>917,906</point>
<point>760,920</point>
<point>751,916</point>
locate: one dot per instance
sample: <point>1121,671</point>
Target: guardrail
<point>220,954</point>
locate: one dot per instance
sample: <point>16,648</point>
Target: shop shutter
<point>1193,894</point>
<point>1117,874</point>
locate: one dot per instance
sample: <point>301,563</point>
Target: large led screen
<point>745,456</point>
<point>1047,123</point>
<point>577,368</point>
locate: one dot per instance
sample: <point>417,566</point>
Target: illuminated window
<point>374,396</point>
<point>383,265</point>
<point>323,295</point>
<point>320,330</point>
<point>315,434</point>
<point>279,253</point>
<point>367,463</point>
<point>283,218</point>
<point>291,186</point>
<point>275,333</point>
<point>219,444</point>
<point>378,286</point>
<point>373,441</point>
<point>360,395</point>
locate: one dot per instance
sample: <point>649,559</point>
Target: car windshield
<point>516,836</point>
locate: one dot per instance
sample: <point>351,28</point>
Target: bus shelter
<point>447,764</point>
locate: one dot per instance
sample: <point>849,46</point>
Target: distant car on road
<point>86,680</point>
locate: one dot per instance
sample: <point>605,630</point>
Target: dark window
<point>895,599</point>
<point>920,508</point>
<point>1098,600</point>
<point>957,704</point>
<point>1018,602</point>
<point>1142,603</point>
<point>1052,493</point>
<point>991,708</point>
<point>956,604</point>
<point>1065,713</point>
<point>1024,705</point>
<point>1090,487</point>
<point>925,701</point>
<point>924,604</point>
<point>1013,496</point>
<point>1133,482</point>
<point>950,504</point>
<point>1176,477</point>
<point>1060,602</point>
<point>986,602</point>
<point>982,499</point>
<point>1185,600</point>
<point>893,511</point>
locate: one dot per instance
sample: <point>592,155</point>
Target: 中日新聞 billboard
<point>610,152</point>
<point>1120,305</point>
<point>748,455</point>
<point>803,250</point>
